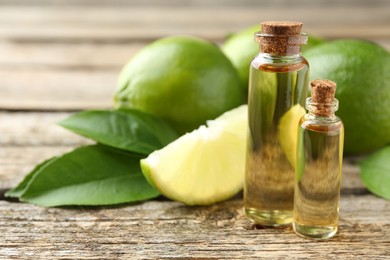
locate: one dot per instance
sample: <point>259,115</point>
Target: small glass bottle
<point>278,85</point>
<point>319,164</point>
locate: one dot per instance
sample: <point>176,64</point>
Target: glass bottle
<point>278,85</point>
<point>319,163</point>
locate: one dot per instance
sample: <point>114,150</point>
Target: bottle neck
<point>282,51</point>
<point>274,58</point>
<point>280,45</point>
<point>324,110</point>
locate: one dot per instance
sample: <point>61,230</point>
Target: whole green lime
<point>361,70</point>
<point>241,48</point>
<point>181,79</point>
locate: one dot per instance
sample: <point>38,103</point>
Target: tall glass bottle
<point>278,86</point>
<point>319,162</point>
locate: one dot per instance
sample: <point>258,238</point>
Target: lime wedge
<point>288,132</point>
<point>204,166</point>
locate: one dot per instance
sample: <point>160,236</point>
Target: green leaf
<point>131,130</point>
<point>90,175</point>
<point>22,186</point>
<point>375,173</point>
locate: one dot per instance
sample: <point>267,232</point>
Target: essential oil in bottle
<point>278,85</point>
<point>319,163</point>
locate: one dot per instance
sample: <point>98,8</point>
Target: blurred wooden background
<point>61,56</point>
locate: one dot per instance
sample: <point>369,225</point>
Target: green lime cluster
<point>186,81</point>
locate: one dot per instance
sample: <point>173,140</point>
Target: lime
<point>288,132</point>
<point>241,48</point>
<point>204,166</point>
<point>361,71</point>
<point>183,80</point>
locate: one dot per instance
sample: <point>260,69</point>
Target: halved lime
<point>204,166</point>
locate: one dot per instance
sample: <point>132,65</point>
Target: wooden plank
<point>42,89</point>
<point>163,229</point>
<point>76,56</point>
<point>66,56</point>
<point>136,33</point>
<point>23,129</point>
<point>189,3</point>
<point>152,16</point>
<point>129,23</point>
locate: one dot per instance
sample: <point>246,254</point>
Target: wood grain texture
<point>67,56</point>
<point>189,3</point>
<point>36,129</point>
<point>113,24</point>
<point>85,57</point>
<point>162,229</point>
<point>57,90</point>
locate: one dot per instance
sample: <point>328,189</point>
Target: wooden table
<point>57,57</point>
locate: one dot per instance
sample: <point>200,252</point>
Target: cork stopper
<point>281,37</point>
<point>322,94</point>
<point>322,90</point>
<point>281,27</point>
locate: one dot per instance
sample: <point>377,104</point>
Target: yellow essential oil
<point>319,165</point>
<point>278,85</point>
